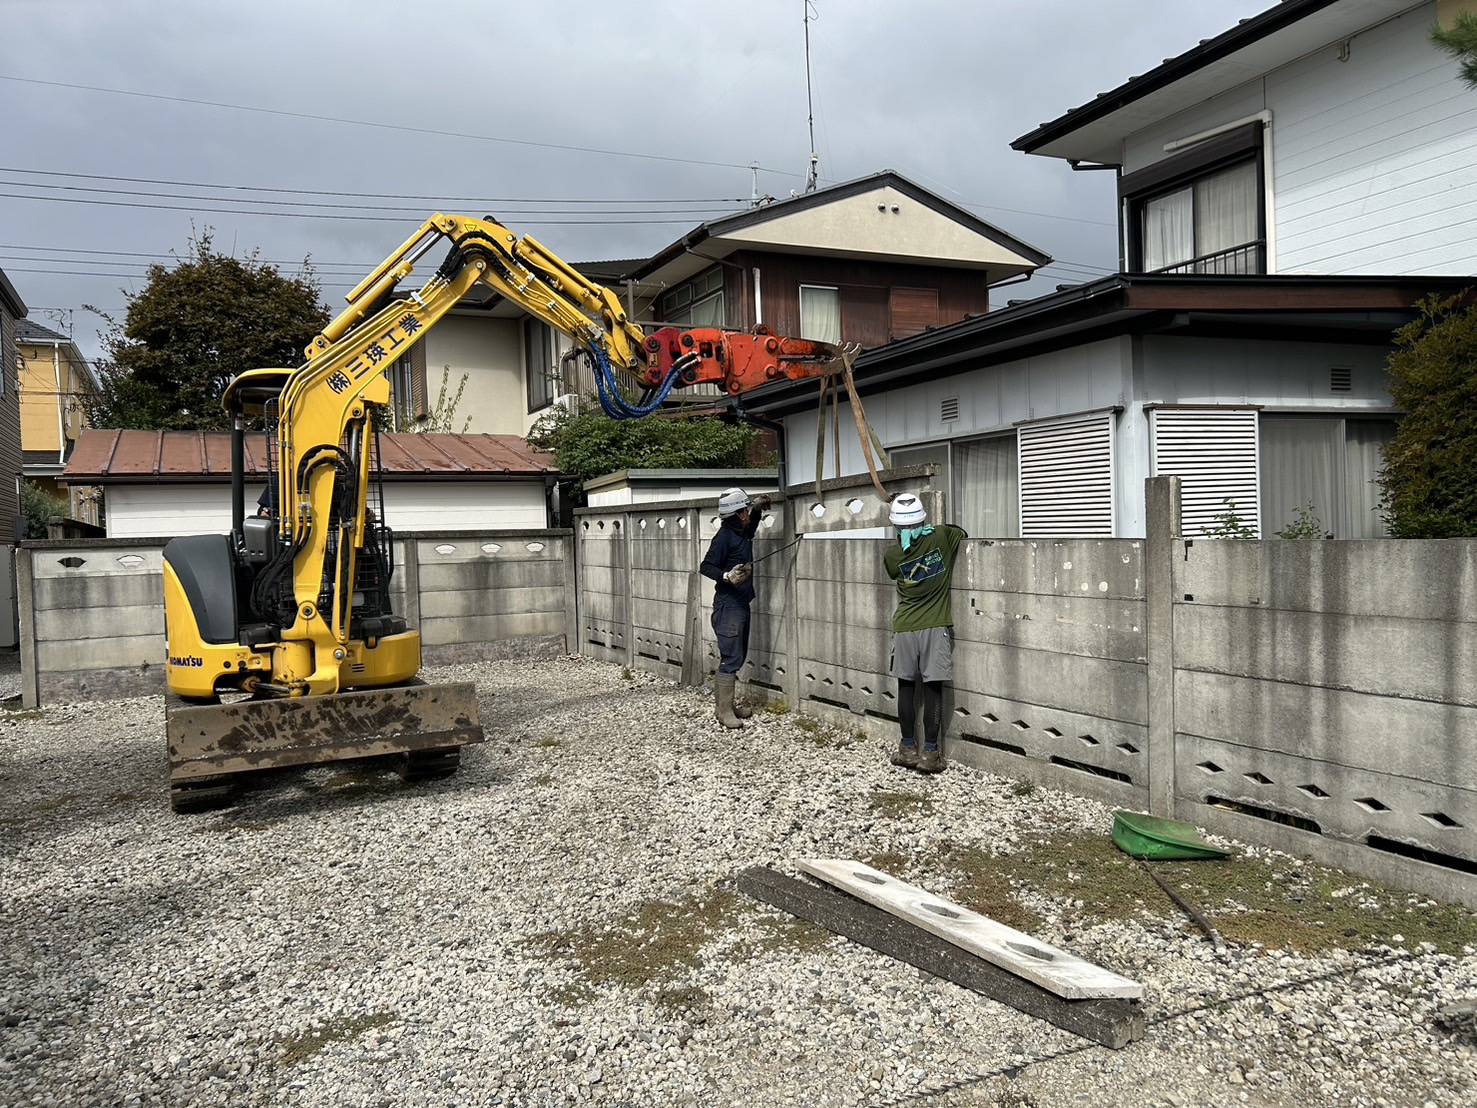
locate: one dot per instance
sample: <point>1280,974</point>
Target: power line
<point>378,195</point>
<point>384,126</point>
<point>615,222</point>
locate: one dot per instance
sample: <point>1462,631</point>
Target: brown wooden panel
<point>914,311</point>
<point>864,315</point>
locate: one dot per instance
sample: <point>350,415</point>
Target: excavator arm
<point>324,413</point>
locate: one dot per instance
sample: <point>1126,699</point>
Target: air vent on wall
<point>949,408</point>
<point>1341,379</point>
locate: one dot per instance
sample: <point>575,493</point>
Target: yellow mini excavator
<point>284,648</point>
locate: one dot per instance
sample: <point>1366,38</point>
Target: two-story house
<point>1288,191</point>
<point>12,311</point>
<point>867,261</point>
<point>55,381</point>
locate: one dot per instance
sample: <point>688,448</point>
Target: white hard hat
<point>907,511</point>
<point>732,502</point>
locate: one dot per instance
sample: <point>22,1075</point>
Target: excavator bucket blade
<point>424,721</point>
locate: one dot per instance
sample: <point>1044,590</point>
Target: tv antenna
<point>815,161</point>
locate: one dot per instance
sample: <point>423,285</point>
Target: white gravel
<point>157,959</point>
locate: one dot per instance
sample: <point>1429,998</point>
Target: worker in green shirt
<point>922,564</point>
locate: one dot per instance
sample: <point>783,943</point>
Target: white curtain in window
<point>1169,236</point>
<point>820,313</point>
<point>987,487</point>
<point>1364,440</point>
<point>1225,214</point>
<point>707,313</point>
<point>1302,467</point>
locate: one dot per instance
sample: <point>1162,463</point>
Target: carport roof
<point>131,457</point>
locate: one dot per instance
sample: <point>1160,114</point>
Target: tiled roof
<point>134,456</point>
<point>29,331</point>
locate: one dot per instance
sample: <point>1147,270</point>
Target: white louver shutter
<point>1066,475</point>
<point>1214,454</point>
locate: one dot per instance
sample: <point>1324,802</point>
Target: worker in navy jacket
<point>730,565</point>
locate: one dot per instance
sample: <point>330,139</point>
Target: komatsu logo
<point>186,660</point>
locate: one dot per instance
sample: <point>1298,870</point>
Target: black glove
<point>739,573</point>
<point>760,503</point>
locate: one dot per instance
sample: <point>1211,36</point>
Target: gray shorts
<point>928,654</point>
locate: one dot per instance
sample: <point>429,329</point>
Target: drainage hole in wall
<point>1271,815</point>
<point>1006,748</point>
<point>1096,771</point>
<point>1420,854</point>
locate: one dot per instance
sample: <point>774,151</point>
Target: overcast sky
<point>330,129</point>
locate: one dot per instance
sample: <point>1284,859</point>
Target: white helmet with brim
<point>907,511</point>
<point>732,502</point>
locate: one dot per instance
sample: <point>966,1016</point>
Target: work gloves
<point>760,503</point>
<point>739,574</point>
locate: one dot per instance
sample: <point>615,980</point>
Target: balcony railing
<point>1249,257</point>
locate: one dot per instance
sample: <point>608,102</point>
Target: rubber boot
<point>740,709</point>
<point>723,700</point>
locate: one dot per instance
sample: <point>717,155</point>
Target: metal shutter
<point>1214,454</point>
<point>1066,475</point>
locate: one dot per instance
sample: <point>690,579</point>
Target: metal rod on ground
<point>1189,909</point>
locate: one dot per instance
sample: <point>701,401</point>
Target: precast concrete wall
<point>1319,697</point>
<point>92,611</point>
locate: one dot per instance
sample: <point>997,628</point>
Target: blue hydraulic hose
<point>617,406</point>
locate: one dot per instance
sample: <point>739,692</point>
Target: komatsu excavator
<point>284,647</point>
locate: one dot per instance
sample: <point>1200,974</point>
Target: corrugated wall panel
<point>1066,476</point>
<point>1213,451</point>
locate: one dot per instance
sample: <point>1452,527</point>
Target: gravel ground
<point>338,938</point>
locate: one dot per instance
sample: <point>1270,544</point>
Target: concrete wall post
<point>1163,546</point>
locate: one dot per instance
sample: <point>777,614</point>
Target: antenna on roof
<point>810,105</point>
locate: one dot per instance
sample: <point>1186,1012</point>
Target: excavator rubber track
<point>211,745</point>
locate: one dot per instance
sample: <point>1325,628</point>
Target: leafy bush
<point>1307,525</point>
<point>1230,524</point>
<point>1429,479</point>
<point>38,506</point>
<point>592,444</point>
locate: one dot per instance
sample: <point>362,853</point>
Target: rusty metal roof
<point>101,457</point>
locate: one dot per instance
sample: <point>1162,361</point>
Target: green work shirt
<point>924,573</point>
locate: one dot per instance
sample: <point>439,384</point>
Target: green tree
<point>590,444</point>
<point>195,326</point>
<point>38,506</point>
<point>1460,40</point>
<point>1429,479</point>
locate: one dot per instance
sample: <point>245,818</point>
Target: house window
<point>1066,477</point>
<point>820,313</point>
<point>696,303</point>
<point>1327,466</point>
<point>407,375</point>
<point>1213,451</point>
<point>538,363</point>
<point>987,487</point>
<point>1201,211</point>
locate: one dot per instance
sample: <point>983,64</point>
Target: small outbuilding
<point>165,483</point>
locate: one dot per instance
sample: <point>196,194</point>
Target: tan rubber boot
<point>740,709</point>
<point>723,700</point>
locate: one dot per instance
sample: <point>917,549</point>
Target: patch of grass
<point>549,742</point>
<point>652,948</point>
<point>778,706</point>
<point>1281,903</point>
<point>1023,789</point>
<point>52,803</point>
<point>543,779</point>
<point>788,934</point>
<point>894,805</point>
<point>628,675</point>
<point>338,1030</point>
<point>890,861</point>
<point>986,889</point>
<point>809,724</point>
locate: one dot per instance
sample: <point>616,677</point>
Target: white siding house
<point>1289,191</point>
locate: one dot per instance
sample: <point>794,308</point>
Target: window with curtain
<point>987,487</point>
<point>820,313</point>
<point>696,303</point>
<point>1200,211</point>
<point>1328,466</point>
<point>538,363</point>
